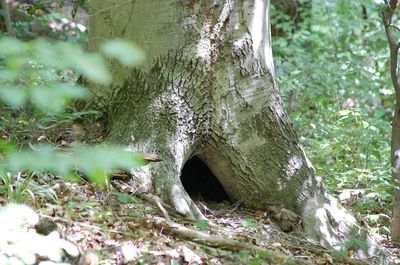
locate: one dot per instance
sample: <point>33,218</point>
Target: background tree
<point>208,89</point>
<point>5,19</point>
<point>390,28</point>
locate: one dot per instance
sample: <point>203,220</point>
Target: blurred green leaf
<point>93,67</point>
<point>11,47</point>
<point>126,53</point>
<point>97,161</point>
<point>13,96</point>
<point>53,97</point>
<point>43,158</point>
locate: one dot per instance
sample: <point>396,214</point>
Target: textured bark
<point>208,88</point>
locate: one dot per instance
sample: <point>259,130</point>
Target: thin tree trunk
<point>395,146</point>
<point>208,88</point>
<point>7,23</point>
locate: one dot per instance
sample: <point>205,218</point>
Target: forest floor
<point>115,227</point>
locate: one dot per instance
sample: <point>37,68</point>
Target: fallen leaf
<point>189,255</point>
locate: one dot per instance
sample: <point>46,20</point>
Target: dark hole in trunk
<point>197,179</point>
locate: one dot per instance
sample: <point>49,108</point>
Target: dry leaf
<point>189,255</point>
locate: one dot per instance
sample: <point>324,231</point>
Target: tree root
<point>165,209</point>
<point>334,254</point>
<point>180,231</point>
<point>183,232</point>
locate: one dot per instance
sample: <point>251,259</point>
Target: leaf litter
<point>117,227</point>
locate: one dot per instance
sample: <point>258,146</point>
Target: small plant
<point>250,222</point>
<point>15,188</point>
<point>126,198</point>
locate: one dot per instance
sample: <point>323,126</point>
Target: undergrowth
<point>332,70</point>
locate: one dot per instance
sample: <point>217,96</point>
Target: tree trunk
<point>208,88</point>
<point>5,19</point>
<point>395,158</point>
<point>387,16</point>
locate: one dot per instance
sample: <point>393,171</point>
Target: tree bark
<point>387,16</point>
<point>208,88</point>
<point>5,19</point>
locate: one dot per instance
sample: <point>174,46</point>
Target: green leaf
<point>43,158</point>
<point>66,55</point>
<point>125,198</point>
<point>13,96</point>
<point>56,55</point>
<point>11,47</point>
<point>54,96</point>
<point>377,154</point>
<point>97,161</point>
<point>255,262</point>
<point>250,222</point>
<point>93,67</point>
<point>365,124</point>
<point>126,53</point>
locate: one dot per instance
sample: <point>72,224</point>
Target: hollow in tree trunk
<point>208,89</point>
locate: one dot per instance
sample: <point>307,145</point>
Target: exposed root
<point>178,230</point>
<point>183,232</point>
<point>335,255</point>
<point>153,199</point>
<point>174,193</point>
